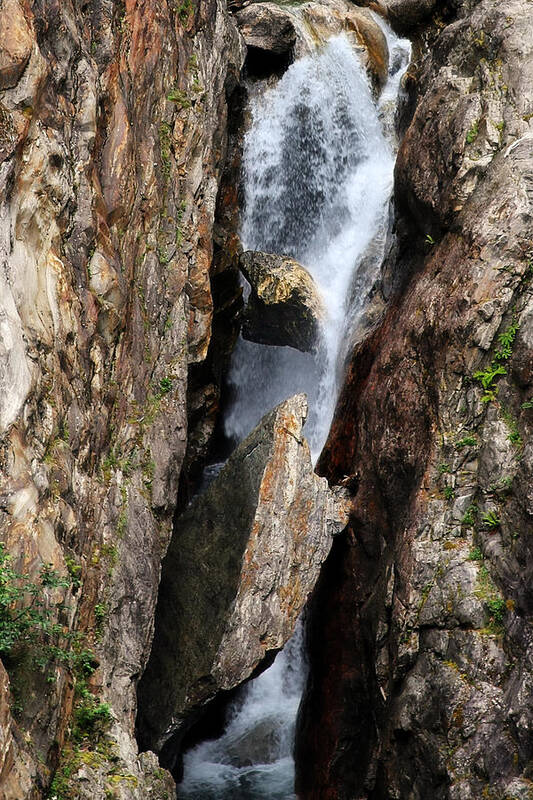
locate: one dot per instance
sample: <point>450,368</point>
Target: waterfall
<point>318,170</point>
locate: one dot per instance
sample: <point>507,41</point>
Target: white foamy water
<point>318,171</point>
<point>252,759</point>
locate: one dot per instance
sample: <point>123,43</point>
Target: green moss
<point>466,441</point>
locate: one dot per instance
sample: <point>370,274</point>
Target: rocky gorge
<point>121,140</point>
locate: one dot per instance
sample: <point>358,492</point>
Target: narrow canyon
<point>266,396</point>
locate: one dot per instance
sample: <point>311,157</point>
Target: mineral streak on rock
<point>249,551</point>
<point>284,307</point>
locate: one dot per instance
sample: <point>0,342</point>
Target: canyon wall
<point>113,130</point>
<point>420,638</point>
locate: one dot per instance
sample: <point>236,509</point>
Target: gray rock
<point>248,551</point>
<point>284,307</point>
<point>267,27</point>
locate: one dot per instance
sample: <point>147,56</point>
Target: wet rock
<point>284,307</point>
<point>267,27</point>
<point>404,15</point>
<point>248,551</point>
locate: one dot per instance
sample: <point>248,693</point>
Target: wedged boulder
<point>244,557</point>
<point>405,15</point>
<point>267,27</point>
<point>275,35</point>
<point>284,307</point>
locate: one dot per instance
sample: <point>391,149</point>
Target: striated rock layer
<point>248,550</point>
<point>112,139</point>
<point>421,639</point>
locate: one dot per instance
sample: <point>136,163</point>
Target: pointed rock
<point>244,557</point>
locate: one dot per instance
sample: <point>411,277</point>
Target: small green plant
<point>74,570</point>
<point>475,554</point>
<point>449,492</point>
<point>429,239</point>
<point>443,468</point>
<point>92,718</point>
<point>179,97</point>
<point>162,256</point>
<point>490,519</point>
<point>26,609</point>
<point>165,385</point>
<point>528,404</point>
<point>466,441</point>
<point>488,376</point>
<point>469,516</point>
<point>473,132</point>
<point>100,613</point>
<point>506,340</point>
<point>496,607</point>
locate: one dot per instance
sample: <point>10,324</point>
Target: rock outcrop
<point>421,635</point>
<point>248,551</point>
<point>284,307</point>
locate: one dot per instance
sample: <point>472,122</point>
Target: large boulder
<point>284,306</point>
<point>244,557</point>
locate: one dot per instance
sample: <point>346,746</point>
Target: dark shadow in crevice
<point>261,64</point>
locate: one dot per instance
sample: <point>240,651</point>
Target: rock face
<point>420,640</point>
<point>112,138</point>
<point>284,307</point>
<point>248,551</point>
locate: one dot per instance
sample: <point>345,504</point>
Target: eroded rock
<point>284,307</point>
<point>248,551</point>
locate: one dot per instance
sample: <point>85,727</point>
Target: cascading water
<point>318,176</point>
